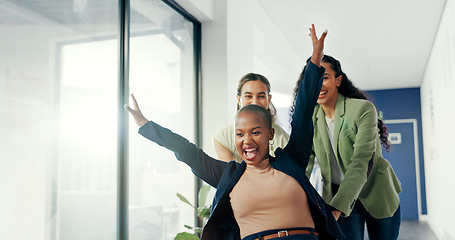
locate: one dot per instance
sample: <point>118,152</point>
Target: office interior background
<point>72,163</point>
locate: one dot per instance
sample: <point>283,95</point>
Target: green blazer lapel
<point>339,120</point>
<point>322,127</point>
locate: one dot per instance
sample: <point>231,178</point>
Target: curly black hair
<point>347,89</point>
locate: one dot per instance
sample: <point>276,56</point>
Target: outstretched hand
<point>136,113</point>
<point>318,46</point>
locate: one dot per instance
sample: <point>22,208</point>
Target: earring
<point>271,143</point>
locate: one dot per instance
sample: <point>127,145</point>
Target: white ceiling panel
<point>380,44</point>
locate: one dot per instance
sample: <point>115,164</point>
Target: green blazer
<point>368,177</point>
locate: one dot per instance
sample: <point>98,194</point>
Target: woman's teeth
<point>250,153</point>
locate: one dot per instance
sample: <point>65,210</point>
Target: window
<point>59,78</point>
<point>162,80</point>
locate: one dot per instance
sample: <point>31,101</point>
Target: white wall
<point>203,10</point>
<point>438,127</point>
<point>239,37</point>
<point>214,75</point>
<point>256,44</point>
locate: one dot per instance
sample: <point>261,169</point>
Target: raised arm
<point>301,138</point>
<point>222,152</point>
<point>136,112</point>
<point>318,46</point>
<point>203,166</point>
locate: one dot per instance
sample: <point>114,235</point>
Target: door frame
<point>413,121</point>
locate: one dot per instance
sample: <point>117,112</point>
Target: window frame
<point>123,96</point>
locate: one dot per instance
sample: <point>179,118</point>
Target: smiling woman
<point>359,183</point>
<point>253,89</point>
<point>246,204</point>
<point>253,131</point>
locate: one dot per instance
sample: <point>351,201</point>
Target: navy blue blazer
<point>223,176</point>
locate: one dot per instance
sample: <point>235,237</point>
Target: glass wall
<point>59,81</point>
<point>162,81</point>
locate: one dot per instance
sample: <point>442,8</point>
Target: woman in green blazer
<point>357,181</point>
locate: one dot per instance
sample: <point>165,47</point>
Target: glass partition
<point>58,121</point>
<point>162,80</point>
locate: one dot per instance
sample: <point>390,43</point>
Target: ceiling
<point>380,44</point>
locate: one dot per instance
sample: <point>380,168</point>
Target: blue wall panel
<point>403,104</point>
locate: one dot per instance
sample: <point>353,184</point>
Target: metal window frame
<point>123,95</point>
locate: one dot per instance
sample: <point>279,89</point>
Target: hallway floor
<point>414,230</point>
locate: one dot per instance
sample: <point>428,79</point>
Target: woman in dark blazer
<point>231,217</point>
<point>357,181</point>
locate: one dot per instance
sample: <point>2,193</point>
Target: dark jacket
<point>223,176</point>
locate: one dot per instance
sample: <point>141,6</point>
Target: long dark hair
<point>347,89</point>
<point>256,77</point>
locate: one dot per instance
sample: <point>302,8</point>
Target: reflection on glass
<point>58,119</point>
<point>58,96</point>
<point>162,80</point>
<point>87,141</point>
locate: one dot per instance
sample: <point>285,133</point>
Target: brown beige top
<point>265,198</point>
